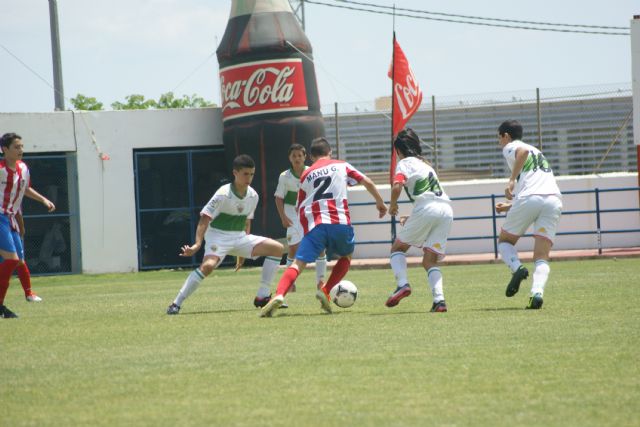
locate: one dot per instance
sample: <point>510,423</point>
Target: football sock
<point>338,272</point>
<point>540,276</point>
<point>434,276</point>
<point>289,261</point>
<point>288,277</point>
<point>269,268</point>
<point>189,287</point>
<point>399,267</point>
<point>509,255</point>
<point>6,270</point>
<point>321,268</point>
<point>25,278</point>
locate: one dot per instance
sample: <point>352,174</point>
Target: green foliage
<point>167,100</point>
<point>134,102</point>
<point>99,350</point>
<point>82,102</point>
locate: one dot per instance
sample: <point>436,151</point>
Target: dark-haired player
<point>324,214</point>
<point>536,200</point>
<point>428,225</point>
<point>225,226</point>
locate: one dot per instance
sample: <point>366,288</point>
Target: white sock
<point>509,255</point>
<point>289,261</point>
<point>321,268</point>
<point>189,287</point>
<point>434,276</point>
<point>540,276</point>
<point>269,268</point>
<point>399,266</point>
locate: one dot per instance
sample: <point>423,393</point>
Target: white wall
<point>468,208</point>
<point>107,197</point>
<point>106,191</point>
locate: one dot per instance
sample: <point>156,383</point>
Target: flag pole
<point>393,80</point>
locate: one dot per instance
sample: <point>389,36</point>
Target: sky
<point>111,49</point>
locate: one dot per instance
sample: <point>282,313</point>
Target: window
<point>52,242</point>
<point>172,186</point>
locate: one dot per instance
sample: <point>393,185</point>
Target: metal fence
<point>598,212</point>
<point>581,130</point>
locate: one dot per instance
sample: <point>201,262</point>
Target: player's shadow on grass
<point>191,313</point>
<point>397,313</point>
<point>285,314</point>
<point>498,309</point>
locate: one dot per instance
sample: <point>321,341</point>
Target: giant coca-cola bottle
<point>269,95</point>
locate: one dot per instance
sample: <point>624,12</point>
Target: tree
<point>168,100</point>
<point>82,102</point>
<point>134,102</point>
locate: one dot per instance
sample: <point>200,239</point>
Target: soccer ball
<point>344,294</point>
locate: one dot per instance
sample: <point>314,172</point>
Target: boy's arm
<point>521,158</point>
<point>186,250</point>
<point>371,188</point>
<point>33,194</point>
<point>20,221</point>
<point>503,207</point>
<point>396,190</point>
<point>286,222</point>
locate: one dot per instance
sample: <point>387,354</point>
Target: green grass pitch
<point>100,350</point>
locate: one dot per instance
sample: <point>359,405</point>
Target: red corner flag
<point>406,96</point>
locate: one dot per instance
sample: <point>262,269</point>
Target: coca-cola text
<point>262,87</point>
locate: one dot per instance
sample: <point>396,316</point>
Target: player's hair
<point>298,147</point>
<point>408,143</point>
<point>320,147</point>
<point>512,127</point>
<point>243,161</point>
<point>8,138</point>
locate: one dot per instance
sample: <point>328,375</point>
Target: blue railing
<point>494,217</point>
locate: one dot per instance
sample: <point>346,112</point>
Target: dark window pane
<point>163,180</point>
<point>49,178</point>
<point>209,173</point>
<point>163,234</point>
<point>47,247</point>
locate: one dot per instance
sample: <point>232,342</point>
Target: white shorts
<point>223,243</point>
<point>543,211</point>
<point>294,233</point>
<point>428,227</point>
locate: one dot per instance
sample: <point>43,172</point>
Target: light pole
<point>58,90</point>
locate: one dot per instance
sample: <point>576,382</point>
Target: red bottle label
<point>262,87</point>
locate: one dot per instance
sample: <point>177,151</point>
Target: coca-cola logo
<point>262,87</point>
<point>408,95</point>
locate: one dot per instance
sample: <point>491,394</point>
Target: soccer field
<point>100,350</point>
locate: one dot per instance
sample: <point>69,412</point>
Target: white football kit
<point>226,234</point>
<point>287,189</point>
<point>430,222</point>
<point>537,198</point>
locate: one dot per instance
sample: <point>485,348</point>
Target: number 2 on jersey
<point>322,184</point>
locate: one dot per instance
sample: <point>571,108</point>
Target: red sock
<point>6,270</point>
<point>288,277</point>
<point>337,273</point>
<point>25,278</point>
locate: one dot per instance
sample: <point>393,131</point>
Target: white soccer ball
<point>344,294</point>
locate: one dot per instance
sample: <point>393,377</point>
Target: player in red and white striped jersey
<point>324,215</point>
<point>15,183</point>
<point>322,198</point>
